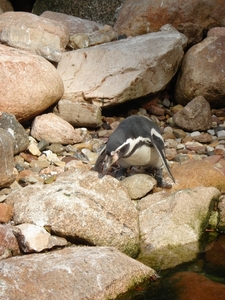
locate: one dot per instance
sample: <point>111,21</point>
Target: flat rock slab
<point>115,72</point>
<point>81,206</point>
<point>81,273</point>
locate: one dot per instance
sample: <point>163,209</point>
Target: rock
<point>53,129</point>
<point>190,285</point>
<point>33,238</point>
<point>171,228</point>
<point>202,63</point>
<point>18,133</point>
<point>84,40</point>
<point>196,115</point>
<point>5,5</point>
<point>196,173</point>
<point>79,113</point>
<point>221,206</point>
<point>82,207</point>
<point>216,31</point>
<point>5,212</point>
<point>100,11</point>
<point>138,185</point>
<point>92,273</point>
<point>31,92</point>
<point>74,24</point>
<point>6,159</point>
<point>35,34</point>
<point>103,75</point>
<point>8,242</point>
<point>190,17</point>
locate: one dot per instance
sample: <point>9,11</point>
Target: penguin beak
<point>110,160</point>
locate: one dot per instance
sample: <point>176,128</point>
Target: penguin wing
<point>158,143</point>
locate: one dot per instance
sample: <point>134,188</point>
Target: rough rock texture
<point>139,185</point>
<point>5,212</point>
<point>29,84</point>
<point>196,115</point>
<point>221,206</point>
<point>216,31</point>
<point>190,285</point>
<point>34,238</point>
<point>79,113</point>
<point>18,133</point>
<point>8,242</point>
<point>196,173</point>
<point>190,17</point>
<point>74,24</point>
<point>81,273</point>
<point>5,5</point>
<point>96,10</point>
<point>35,34</point>
<point>202,73</point>
<point>115,72</point>
<point>171,228</point>
<point>81,206</point>
<point>6,159</point>
<point>54,129</point>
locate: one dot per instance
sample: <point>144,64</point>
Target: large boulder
<point>35,34</point>
<point>90,273</point>
<point>190,17</point>
<point>202,73</point>
<point>171,229</point>
<point>81,207</point>
<point>29,84</point>
<point>119,71</point>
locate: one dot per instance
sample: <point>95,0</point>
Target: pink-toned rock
<point>196,173</point>
<point>54,129</point>
<point>216,31</point>
<point>189,17</point>
<point>8,242</point>
<point>74,24</point>
<point>202,73</point>
<point>78,273</point>
<point>5,212</point>
<point>6,158</point>
<point>190,285</point>
<point>33,33</point>
<point>29,84</point>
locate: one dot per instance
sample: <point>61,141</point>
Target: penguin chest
<point>143,156</point>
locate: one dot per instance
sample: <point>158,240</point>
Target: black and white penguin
<point>137,141</point>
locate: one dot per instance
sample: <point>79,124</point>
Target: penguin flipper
<point>158,143</point>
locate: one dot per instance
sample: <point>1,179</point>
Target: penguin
<point>137,141</point>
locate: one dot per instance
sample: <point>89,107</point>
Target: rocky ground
<point>66,84</point>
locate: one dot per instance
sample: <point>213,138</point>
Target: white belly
<point>143,156</point>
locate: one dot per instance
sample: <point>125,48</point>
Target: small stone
<point>139,185</point>
<point>179,133</point>
<point>166,102</point>
<point>35,238</point>
<point>195,133</point>
<point>221,134</point>
<point>42,145</point>
<point>33,149</point>
<point>170,143</point>
<point>211,131</point>
<point>56,148</point>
